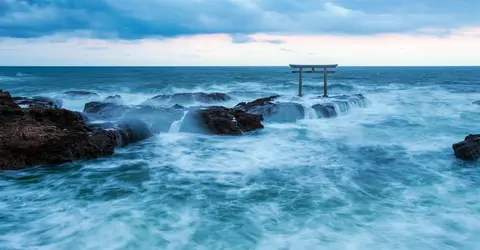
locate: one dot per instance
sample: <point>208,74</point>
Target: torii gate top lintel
<point>325,71</point>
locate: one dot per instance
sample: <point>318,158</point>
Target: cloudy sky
<point>239,32</point>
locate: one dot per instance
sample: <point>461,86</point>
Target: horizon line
<point>191,66</point>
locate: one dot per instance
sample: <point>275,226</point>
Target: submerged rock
<point>325,110</point>
<point>246,106</point>
<point>126,131</point>
<point>81,94</point>
<point>116,99</point>
<point>180,98</point>
<point>224,121</point>
<point>133,131</point>
<point>38,101</point>
<point>469,149</point>
<point>273,111</point>
<point>105,110</point>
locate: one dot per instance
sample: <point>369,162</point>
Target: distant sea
<point>381,177</point>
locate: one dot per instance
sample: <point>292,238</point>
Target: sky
<point>239,32</point>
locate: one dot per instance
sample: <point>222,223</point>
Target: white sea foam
<point>376,177</point>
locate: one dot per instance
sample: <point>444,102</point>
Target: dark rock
<point>105,110</point>
<point>39,101</point>
<point>476,102</point>
<point>273,111</point>
<point>135,131</point>
<point>102,126</point>
<point>188,98</point>
<point>6,100</point>
<point>37,136</point>
<point>81,94</point>
<point>178,106</point>
<point>221,120</point>
<point>246,106</point>
<point>116,99</point>
<point>325,110</point>
<point>469,149</point>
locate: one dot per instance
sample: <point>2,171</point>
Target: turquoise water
<point>381,177</point>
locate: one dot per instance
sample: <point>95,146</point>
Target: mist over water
<point>376,177</point>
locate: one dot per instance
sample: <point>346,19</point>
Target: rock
<point>224,121</point>
<point>476,102</point>
<point>6,100</point>
<point>126,131</point>
<point>116,99</point>
<point>81,94</point>
<point>273,111</point>
<point>246,106</point>
<point>38,101</point>
<point>187,98</point>
<point>102,126</point>
<point>105,110</point>
<point>37,136</point>
<point>469,149</point>
<point>178,106</point>
<point>325,110</point>
<point>135,131</point>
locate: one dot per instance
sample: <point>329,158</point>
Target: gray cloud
<point>133,19</point>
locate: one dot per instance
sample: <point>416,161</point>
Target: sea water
<point>379,177</point>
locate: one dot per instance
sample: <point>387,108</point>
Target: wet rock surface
<point>182,98</point>
<point>79,93</point>
<point>468,149</point>
<point>105,110</point>
<point>36,136</point>
<point>6,100</point>
<point>225,121</point>
<point>38,101</point>
<point>325,110</point>
<point>273,111</point>
<point>115,99</point>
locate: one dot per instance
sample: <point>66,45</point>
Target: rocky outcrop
<point>246,106</point>
<point>81,94</point>
<point>116,99</point>
<point>37,136</point>
<point>224,121</point>
<point>469,149</point>
<point>38,101</point>
<point>105,110</point>
<point>325,110</point>
<point>181,98</point>
<point>132,131</point>
<point>273,111</point>
<point>6,100</point>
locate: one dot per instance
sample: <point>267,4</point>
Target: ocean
<point>379,177</point>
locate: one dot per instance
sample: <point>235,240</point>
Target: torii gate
<point>325,71</point>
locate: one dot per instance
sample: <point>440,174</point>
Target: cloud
<point>240,38</point>
<point>276,41</point>
<point>287,50</point>
<point>133,19</point>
